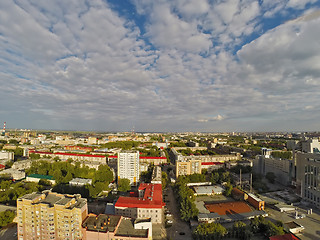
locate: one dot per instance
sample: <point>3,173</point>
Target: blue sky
<point>166,65</point>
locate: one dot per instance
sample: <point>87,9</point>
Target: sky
<point>160,65</point>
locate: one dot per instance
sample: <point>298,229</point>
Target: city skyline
<point>207,66</point>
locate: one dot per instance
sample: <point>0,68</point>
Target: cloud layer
<point>190,65</point>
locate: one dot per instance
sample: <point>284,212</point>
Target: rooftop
<point>101,223</point>
<point>152,197</point>
<point>288,236</point>
<point>227,208</point>
<point>126,228</point>
<point>41,176</point>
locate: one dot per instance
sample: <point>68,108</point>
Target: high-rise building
<point>128,166</point>
<point>308,176</point>
<point>49,215</point>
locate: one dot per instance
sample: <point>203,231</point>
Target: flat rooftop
<point>126,228</point>
<point>101,223</point>
<point>227,208</point>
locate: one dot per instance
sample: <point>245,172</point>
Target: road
<point>9,232</point>
<point>178,226</point>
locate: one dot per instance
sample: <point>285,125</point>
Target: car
<point>168,215</point>
<point>169,221</point>
<point>182,233</point>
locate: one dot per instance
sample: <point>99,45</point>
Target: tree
<point>6,217</point>
<point>124,185</point>
<point>271,177</point>
<point>209,231</point>
<point>228,189</point>
<point>214,177</point>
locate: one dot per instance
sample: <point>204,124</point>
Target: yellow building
<point>50,215</point>
<point>188,167</point>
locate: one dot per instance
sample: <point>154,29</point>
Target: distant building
<point>149,204</point>
<point>50,215</point>
<point>80,182</point>
<point>8,156</point>
<point>128,166</point>
<point>101,159</point>
<point>22,165</point>
<point>104,226</point>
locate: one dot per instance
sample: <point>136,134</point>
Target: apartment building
<point>101,159</point>
<point>308,176</point>
<point>156,176</point>
<point>128,166</point>
<point>188,167</point>
<point>282,168</point>
<point>149,204</point>
<point>49,215</point>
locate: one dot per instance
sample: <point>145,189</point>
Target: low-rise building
<point>208,190</point>
<point>80,182</point>
<point>8,156</point>
<point>13,174</point>
<point>105,226</point>
<point>37,177</point>
<point>156,177</point>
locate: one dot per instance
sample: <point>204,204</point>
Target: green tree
<point>6,217</point>
<point>214,177</point>
<point>228,189</point>
<point>124,185</point>
<point>209,231</point>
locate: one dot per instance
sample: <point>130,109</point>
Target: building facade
<point>308,176</point>
<point>49,215</point>
<point>128,166</point>
<point>149,204</point>
<point>188,167</point>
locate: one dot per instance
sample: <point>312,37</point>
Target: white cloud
<point>76,63</point>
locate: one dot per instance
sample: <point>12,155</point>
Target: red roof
<point>152,198</point>
<point>113,156</point>
<point>288,236</point>
<point>2,166</point>
<point>211,163</point>
<point>68,154</point>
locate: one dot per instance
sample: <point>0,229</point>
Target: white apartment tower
<point>128,166</point>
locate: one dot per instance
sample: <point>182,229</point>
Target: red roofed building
<point>288,236</point>
<point>74,156</point>
<point>149,204</point>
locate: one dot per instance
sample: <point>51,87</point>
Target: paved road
<point>9,233</point>
<point>178,226</point>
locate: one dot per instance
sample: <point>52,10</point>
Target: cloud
<point>82,65</point>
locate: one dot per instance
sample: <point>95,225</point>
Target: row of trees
<point>282,154</point>
<point>63,172</point>
<point>239,230</point>
<point>185,199</point>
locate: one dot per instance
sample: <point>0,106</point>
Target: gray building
<point>308,176</point>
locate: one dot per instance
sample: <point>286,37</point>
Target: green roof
<point>41,176</point>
